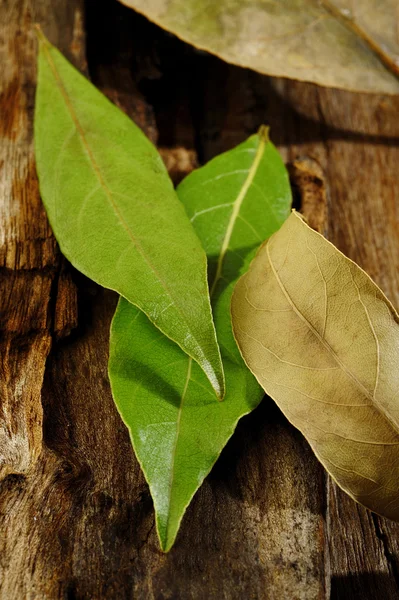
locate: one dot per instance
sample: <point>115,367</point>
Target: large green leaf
<point>352,45</point>
<point>323,341</point>
<point>234,202</point>
<point>115,213</point>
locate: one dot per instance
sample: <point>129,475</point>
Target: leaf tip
<point>165,538</point>
<point>220,388</point>
<point>40,35</point>
<point>38,30</point>
<point>216,377</point>
<point>165,547</point>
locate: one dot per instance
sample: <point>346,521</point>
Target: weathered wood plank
<point>29,260</point>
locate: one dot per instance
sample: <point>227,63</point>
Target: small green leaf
<point>234,202</point>
<point>115,213</point>
<point>323,341</point>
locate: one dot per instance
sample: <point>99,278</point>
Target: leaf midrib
<point>108,191</point>
<point>263,139</point>
<point>360,33</point>
<point>174,451</point>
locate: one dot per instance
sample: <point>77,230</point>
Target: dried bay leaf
<point>234,202</point>
<point>323,341</point>
<point>115,213</point>
<point>350,45</point>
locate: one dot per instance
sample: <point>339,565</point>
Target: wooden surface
<point>76,516</point>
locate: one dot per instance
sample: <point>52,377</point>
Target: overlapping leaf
<point>351,45</point>
<point>323,341</point>
<point>178,431</point>
<point>115,213</point>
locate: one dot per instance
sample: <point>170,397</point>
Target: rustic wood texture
<point>76,516</point>
<point>29,261</point>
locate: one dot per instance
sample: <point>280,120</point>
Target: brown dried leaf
<point>337,43</point>
<point>323,341</point>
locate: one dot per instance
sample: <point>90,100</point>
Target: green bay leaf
<point>115,213</point>
<point>234,202</point>
<point>350,45</point>
<point>323,341</point>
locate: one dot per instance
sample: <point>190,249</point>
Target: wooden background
<point>76,517</point>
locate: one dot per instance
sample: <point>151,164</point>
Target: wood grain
<point>75,512</point>
<point>29,260</point>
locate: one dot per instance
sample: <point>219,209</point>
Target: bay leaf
<point>234,202</point>
<point>323,341</point>
<point>350,45</point>
<point>115,213</point>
